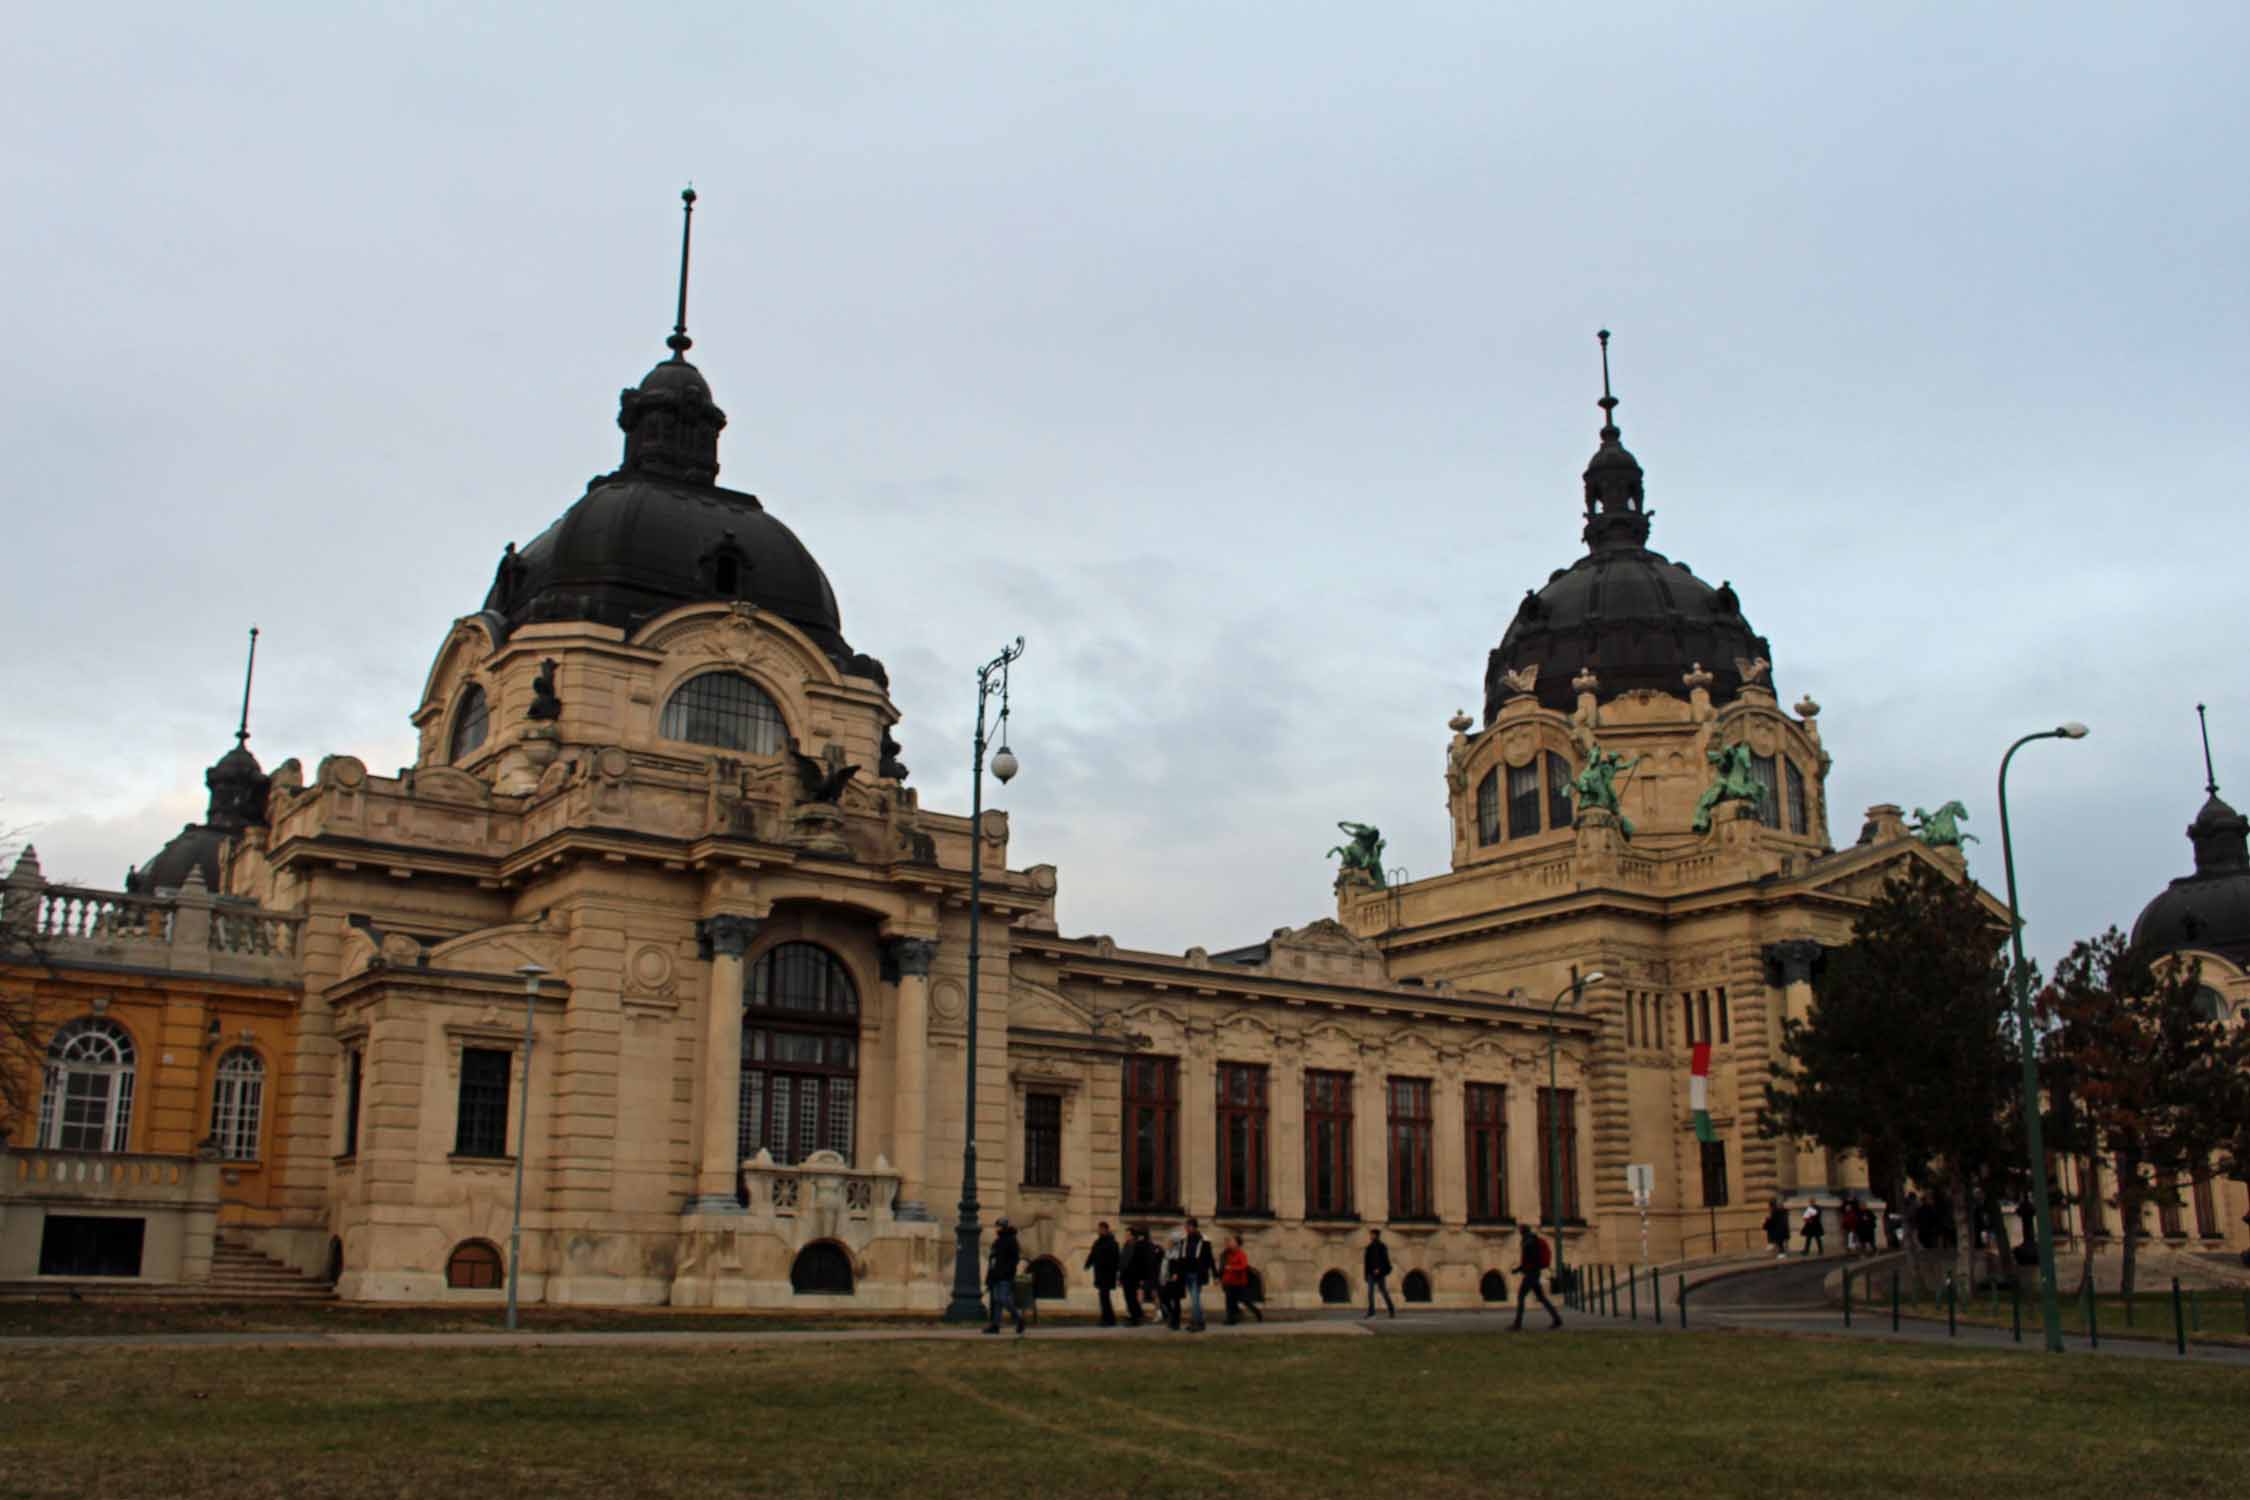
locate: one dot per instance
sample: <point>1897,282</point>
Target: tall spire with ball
<point>671,424</point>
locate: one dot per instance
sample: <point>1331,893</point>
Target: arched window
<point>2209,1004</point>
<point>1334,1288</point>
<point>1560,811</point>
<point>724,709</point>
<point>1488,808</point>
<point>800,1055</point>
<point>237,1099</point>
<point>475,1266</point>
<point>1415,1288</point>
<point>1047,1278</point>
<point>88,1102</point>
<point>1494,1287</point>
<point>821,1269</point>
<point>1523,800</point>
<point>1769,789</point>
<point>471,717</point>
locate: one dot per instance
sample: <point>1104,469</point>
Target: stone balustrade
<point>823,1193</point>
<point>97,1179</point>
<point>187,930</point>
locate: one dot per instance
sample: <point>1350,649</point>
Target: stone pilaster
<point>906,963</point>
<point>1448,1164</point>
<point>724,940</point>
<point>1371,1136</point>
<point>1286,1165</point>
<point>1789,974</point>
<point>1199,1117</point>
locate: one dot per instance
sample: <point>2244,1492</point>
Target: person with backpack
<point>1376,1263</point>
<point>1234,1280</point>
<point>1000,1276</point>
<point>1532,1260</point>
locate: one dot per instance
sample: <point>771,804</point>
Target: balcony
<point>51,1200</point>
<point>188,931</point>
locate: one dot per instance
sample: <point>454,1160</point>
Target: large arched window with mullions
<point>87,1104</point>
<point>472,716</point>
<point>725,709</point>
<point>800,1055</point>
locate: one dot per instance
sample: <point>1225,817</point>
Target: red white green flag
<point>1699,1093</point>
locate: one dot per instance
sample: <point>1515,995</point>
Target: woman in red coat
<point>1234,1280</point>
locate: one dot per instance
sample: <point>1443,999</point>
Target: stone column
<point>907,964</point>
<point>724,940</point>
<point>1789,968</point>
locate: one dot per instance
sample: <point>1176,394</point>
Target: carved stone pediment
<point>1326,935</point>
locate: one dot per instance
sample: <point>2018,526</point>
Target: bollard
<point>2093,1324</point>
<point>1656,1296</point>
<point>2129,1309</point>
<point>2179,1319</point>
<point>1679,1295</point>
<point>1633,1291</point>
<point>1894,1299</point>
<point>1847,1296</point>
<point>2195,1314</point>
<point>1952,1306</point>
<point>2015,1306</point>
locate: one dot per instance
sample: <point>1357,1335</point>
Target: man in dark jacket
<point>1377,1264</point>
<point>1531,1261</point>
<point>1103,1263</point>
<point>1197,1269</point>
<point>1136,1272</point>
<point>1000,1276</point>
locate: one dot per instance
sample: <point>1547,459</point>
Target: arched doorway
<point>1334,1288</point>
<point>822,1269</point>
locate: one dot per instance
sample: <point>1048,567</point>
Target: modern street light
<point>968,1284</point>
<point>2050,1310</point>
<point>532,974</point>
<point>1572,991</point>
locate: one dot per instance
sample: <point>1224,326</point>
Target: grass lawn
<point>1143,1415</point>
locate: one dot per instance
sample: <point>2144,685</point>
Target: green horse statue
<point>1942,829</point>
<point>1737,782</point>
<point>1596,786</point>
<point>1363,855</point>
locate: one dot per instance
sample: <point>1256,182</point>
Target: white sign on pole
<point>1640,1177</point>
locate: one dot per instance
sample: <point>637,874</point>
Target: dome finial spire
<point>1608,403</point>
<point>242,730</point>
<point>2210,777</point>
<point>679,343</point>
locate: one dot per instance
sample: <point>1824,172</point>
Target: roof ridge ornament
<point>679,343</point>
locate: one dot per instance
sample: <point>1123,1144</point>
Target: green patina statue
<point>1942,829</point>
<point>1737,782</point>
<point>1363,856</point>
<point>1596,786</point>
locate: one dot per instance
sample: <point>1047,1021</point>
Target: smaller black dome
<point>238,786</point>
<point>195,847</point>
<point>2209,910</point>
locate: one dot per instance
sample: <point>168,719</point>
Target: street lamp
<point>2050,1310</point>
<point>1571,991</point>
<point>532,974</point>
<point>968,1284</point>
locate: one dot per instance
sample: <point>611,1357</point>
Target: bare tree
<point>23,1044</point>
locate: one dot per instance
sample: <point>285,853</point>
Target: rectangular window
<point>1042,1140</point>
<point>2206,1212</point>
<point>1797,820</point>
<point>1523,800</point>
<point>2168,1207</point>
<point>1558,1113</point>
<point>1559,811</point>
<point>481,1122</point>
<point>1714,1173</point>
<point>2090,1197</point>
<point>1726,1029</point>
<point>1152,1133</point>
<point>1703,1015</point>
<point>1488,808</point>
<point>1328,1144</point>
<point>1486,1106</point>
<point>352,1077</point>
<point>1242,1138</point>
<point>1769,790</point>
<point>1410,1148</point>
<point>1687,1019</point>
<point>1629,1019</point>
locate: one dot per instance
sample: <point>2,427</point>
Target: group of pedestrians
<point>1173,1278</point>
<point>1858,1221</point>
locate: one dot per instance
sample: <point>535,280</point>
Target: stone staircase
<point>237,1271</point>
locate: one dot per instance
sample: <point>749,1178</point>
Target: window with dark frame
<point>1328,1144</point>
<point>2168,1206</point>
<point>1523,800</point>
<point>2206,1211</point>
<point>725,709</point>
<point>1687,1018</point>
<point>1488,808</point>
<point>471,717</point>
<point>1152,1134</point>
<point>1714,1173</point>
<point>237,1104</point>
<point>1798,822</point>
<point>1042,1140</point>
<point>480,1125</point>
<point>1485,1106</point>
<point>1558,1110</point>
<point>1703,1015</point>
<point>1560,813</point>
<point>1726,1028</point>
<point>1410,1148</point>
<point>474,1266</point>
<point>1242,1138</point>
<point>800,1056</point>
<point>1769,790</point>
<point>352,1077</point>
<point>1629,998</point>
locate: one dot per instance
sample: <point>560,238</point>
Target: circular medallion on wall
<point>652,968</point>
<point>948,999</point>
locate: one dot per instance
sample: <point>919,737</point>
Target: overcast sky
<point>1239,357</point>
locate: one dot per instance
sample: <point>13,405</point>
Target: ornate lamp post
<point>1571,992</point>
<point>532,974</point>
<point>968,1283</point>
<point>2050,1310</point>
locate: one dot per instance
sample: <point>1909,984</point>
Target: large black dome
<point>1635,617</point>
<point>2209,910</point>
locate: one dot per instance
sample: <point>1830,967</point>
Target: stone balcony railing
<point>95,1179</point>
<point>183,931</point>
<point>822,1197</point>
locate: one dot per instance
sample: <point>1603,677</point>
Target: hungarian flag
<point>1699,1093</point>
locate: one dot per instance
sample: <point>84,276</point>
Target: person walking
<point>1777,1230</point>
<point>1000,1276</point>
<point>1173,1288</point>
<point>1376,1263</point>
<point>1196,1269</point>
<point>1815,1241</point>
<point>1103,1262</point>
<point>1143,1268</point>
<point>1234,1280</point>
<point>1532,1260</point>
